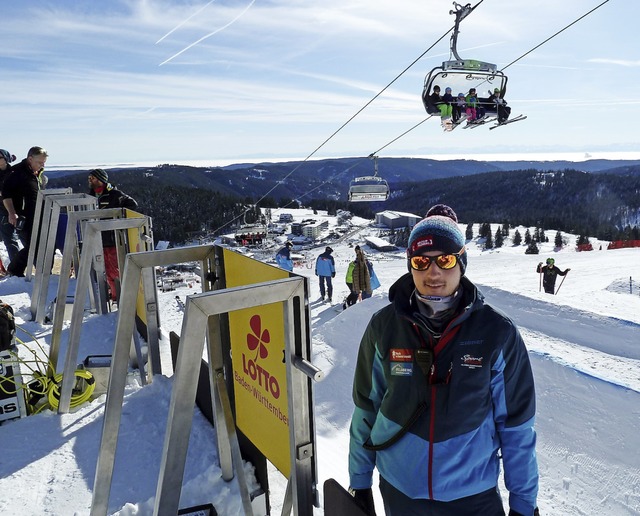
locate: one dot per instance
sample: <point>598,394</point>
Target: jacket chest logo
<point>401,362</point>
<point>471,362</point>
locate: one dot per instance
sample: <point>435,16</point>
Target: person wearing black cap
<point>7,230</point>
<point>109,197</point>
<point>19,196</point>
<point>283,257</point>
<point>326,270</point>
<point>443,391</point>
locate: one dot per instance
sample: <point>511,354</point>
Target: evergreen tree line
<point>182,213</point>
<point>571,201</point>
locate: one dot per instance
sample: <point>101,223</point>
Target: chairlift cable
<point>341,127</point>
<point>400,136</point>
<point>503,68</point>
<point>391,83</point>
<point>554,35</point>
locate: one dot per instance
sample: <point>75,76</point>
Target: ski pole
<point>540,287</point>
<point>564,278</point>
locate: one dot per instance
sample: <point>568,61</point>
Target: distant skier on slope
<point>283,258</point>
<point>549,274</point>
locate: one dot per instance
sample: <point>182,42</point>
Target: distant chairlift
<point>462,74</point>
<point>251,234</point>
<point>369,188</point>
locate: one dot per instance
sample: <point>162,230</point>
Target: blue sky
<point>177,81</point>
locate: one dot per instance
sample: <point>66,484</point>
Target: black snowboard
<point>338,501</point>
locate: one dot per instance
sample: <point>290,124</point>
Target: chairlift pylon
<point>369,188</point>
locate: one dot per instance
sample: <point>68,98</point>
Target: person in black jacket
<point>109,197</point>
<point>549,274</point>
<point>7,230</point>
<point>19,196</point>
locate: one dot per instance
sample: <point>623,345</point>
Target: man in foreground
<point>443,391</point>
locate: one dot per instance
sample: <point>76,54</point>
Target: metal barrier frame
<point>70,256</point>
<point>92,252</point>
<point>202,322</point>
<point>50,220</point>
<point>135,266</point>
<point>36,228</point>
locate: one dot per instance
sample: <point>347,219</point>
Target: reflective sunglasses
<point>444,261</point>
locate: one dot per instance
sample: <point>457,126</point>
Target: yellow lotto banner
<point>259,372</point>
<point>136,246</point>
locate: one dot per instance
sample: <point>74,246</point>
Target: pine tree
<point>536,235</point>
<point>499,238</point>
<point>517,238</point>
<point>527,237</point>
<point>558,240</point>
<point>488,243</point>
<point>532,248</point>
<point>485,230</point>
<point>469,233</point>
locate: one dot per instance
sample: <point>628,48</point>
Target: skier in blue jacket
<point>443,392</point>
<point>326,270</point>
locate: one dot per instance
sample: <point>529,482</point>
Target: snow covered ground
<point>584,345</point>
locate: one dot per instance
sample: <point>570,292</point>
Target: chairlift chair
<point>463,74</point>
<point>369,188</point>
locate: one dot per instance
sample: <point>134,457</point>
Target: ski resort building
<point>397,219</point>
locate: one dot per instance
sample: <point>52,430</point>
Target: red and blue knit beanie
<point>438,231</point>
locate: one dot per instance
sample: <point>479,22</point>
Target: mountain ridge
<point>601,198</point>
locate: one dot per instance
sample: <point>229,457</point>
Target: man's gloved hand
<point>514,513</point>
<point>333,274</point>
<point>364,497</point>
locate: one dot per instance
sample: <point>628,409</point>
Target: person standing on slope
<point>361,277</point>
<point>326,270</point>
<point>19,196</point>
<point>7,230</point>
<point>443,392</point>
<point>283,257</point>
<point>109,197</point>
<point>549,274</point>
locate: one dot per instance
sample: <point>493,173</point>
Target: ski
<point>480,122</point>
<point>475,123</point>
<point>509,121</point>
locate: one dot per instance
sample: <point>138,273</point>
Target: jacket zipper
<point>442,342</point>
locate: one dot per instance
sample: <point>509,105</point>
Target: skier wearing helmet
<point>549,274</point>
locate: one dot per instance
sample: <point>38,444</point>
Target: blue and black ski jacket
<point>436,413</point>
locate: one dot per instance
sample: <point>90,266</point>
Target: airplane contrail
<point>185,21</point>
<point>209,35</point>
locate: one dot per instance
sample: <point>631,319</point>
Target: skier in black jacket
<point>549,274</point>
<point>7,231</point>
<point>19,196</point>
<point>109,197</point>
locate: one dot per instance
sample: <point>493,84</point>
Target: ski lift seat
<point>368,188</point>
<point>472,74</point>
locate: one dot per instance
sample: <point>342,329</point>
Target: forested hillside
<point>602,205</point>
<point>188,201</point>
